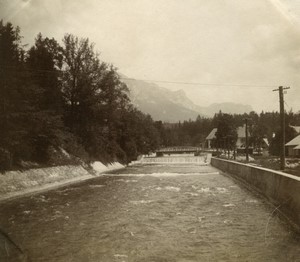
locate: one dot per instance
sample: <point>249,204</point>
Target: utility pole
<point>228,150</point>
<point>234,152</point>
<point>246,135</point>
<point>282,124</point>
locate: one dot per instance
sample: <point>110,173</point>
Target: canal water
<point>148,213</point>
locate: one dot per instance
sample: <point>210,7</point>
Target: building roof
<point>212,134</point>
<point>241,132</point>
<point>294,142</point>
<point>297,147</point>
<point>266,141</point>
<point>296,128</point>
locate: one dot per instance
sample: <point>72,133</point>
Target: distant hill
<point>173,106</point>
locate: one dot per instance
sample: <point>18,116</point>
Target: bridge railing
<point>179,149</point>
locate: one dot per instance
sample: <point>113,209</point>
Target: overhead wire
<point>152,80</point>
<point>198,83</point>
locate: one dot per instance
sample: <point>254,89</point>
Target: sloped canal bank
<point>150,213</point>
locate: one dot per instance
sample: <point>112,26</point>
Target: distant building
<point>241,137</point>
<point>262,148</point>
<point>266,143</point>
<point>296,128</point>
<point>210,138</point>
<point>293,147</point>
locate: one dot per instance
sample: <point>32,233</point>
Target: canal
<point>149,213</point>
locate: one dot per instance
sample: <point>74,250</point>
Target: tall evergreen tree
<point>44,61</point>
<point>16,100</point>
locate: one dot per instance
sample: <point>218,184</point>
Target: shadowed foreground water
<point>150,213</point>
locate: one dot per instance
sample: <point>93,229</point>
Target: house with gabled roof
<point>211,136</point>
<point>296,128</point>
<point>293,147</point>
<point>241,137</point>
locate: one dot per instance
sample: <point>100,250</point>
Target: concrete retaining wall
<point>20,183</point>
<point>282,189</point>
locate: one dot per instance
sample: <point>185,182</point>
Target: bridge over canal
<point>178,150</point>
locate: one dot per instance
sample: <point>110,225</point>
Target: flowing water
<point>150,213</point>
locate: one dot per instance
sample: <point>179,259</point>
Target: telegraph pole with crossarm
<point>282,124</point>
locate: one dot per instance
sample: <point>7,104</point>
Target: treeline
<point>263,125</point>
<point>60,103</point>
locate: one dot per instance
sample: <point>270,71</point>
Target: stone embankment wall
<point>283,190</point>
<point>12,181</point>
<point>18,183</point>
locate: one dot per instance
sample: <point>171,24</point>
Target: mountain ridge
<point>173,106</point>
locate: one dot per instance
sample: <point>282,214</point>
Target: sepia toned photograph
<point>149,131</point>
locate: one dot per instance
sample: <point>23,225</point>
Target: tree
<point>44,61</point>
<point>114,99</point>
<point>94,97</point>
<point>82,73</point>
<point>226,136</point>
<point>137,133</point>
<point>275,145</point>
<point>16,99</point>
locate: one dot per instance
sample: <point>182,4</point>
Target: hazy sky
<point>234,42</point>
